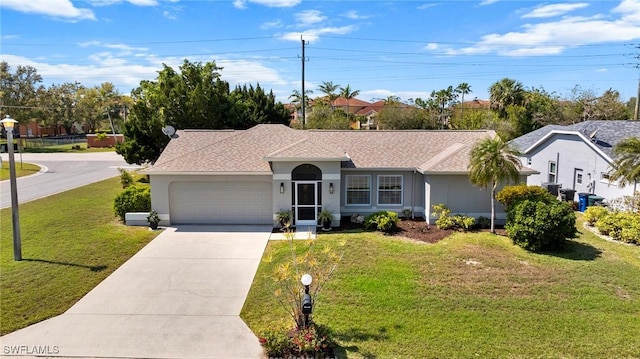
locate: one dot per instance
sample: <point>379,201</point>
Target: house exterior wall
<point>460,196</point>
<point>330,174</point>
<point>572,157</point>
<point>160,187</point>
<point>412,193</point>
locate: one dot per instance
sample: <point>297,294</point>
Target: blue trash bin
<point>583,199</point>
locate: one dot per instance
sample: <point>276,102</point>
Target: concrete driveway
<point>179,297</point>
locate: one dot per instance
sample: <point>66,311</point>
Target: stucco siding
<point>576,161</point>
<point>412,193</point>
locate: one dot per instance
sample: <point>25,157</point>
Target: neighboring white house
<point>248,176</point>
<point>577,156</point>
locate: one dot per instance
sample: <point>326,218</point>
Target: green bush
<point>631,234</point>
<point>126,179</point>
<point>540,226</point>
<point>614,224</point>
<point>132,199</point>
<point>316,341</point>
<point>594,213</point>
<point>465,223</point>
<point>384,221</point>
<point>509,196</point>
<point>483,222</point>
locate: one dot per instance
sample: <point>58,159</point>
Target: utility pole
<point>635,112</point>
<point>304,124</point>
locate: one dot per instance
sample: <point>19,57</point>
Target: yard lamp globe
<point>8,124</point>
<point>306,279</point>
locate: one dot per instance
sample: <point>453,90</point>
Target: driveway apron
<point>179,297</point>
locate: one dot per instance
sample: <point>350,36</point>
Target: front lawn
<point>470,295</point>
<point>22,169</point>
<point>70,242</point>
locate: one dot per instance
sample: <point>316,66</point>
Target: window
<point>579,178</point>
<point>358,190</point>
<point>528,161</point>
<point>390,190</point>
<point>552,172</point>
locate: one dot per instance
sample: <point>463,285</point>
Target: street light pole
<point>9,123</point>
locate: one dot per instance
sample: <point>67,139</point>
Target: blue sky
<point>382,48</point>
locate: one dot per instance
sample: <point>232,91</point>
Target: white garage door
<point>221,202</point>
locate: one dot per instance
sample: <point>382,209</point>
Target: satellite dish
<point>170,131</point>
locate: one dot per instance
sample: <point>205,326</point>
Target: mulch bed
<point>415,229</point>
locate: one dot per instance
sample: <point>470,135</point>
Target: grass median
<point>470,295</point>
<point>71,241</point>
<point>22,169</point>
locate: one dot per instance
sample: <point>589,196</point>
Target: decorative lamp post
<point>307,303</point>
<point>8,124</point>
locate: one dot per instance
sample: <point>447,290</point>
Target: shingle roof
<point>251,150</point>
<point>606,134</point>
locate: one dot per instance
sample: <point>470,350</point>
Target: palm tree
<point>626,167</point>
<point>463,89</point>
<point>444,98</point>
<point>492,162</point>
<point>296,98</point>
<point>347,94</point>
<point>504,93</point>
<point>329,89</point>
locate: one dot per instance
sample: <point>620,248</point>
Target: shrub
<point>539,226</point>
<point>126,179</point>
<point>384,221</point>
<point>594,213</point>
<point>101,136</point>
<point>631,234</point>
<point>626,203</point>
<point>464,222</point>
<point>613,225</point>
<point>316,341</point>
<point>483,222</point>
<point>132,199</point>
<point>509,196</point>
<point>443,213</point>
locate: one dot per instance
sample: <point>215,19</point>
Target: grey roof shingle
<point>607,133</point>
<point>251,150</point>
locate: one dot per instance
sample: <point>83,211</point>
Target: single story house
<point>248,176</point>
<point>577,156</point>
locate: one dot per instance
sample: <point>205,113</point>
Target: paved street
<point>61,172</point>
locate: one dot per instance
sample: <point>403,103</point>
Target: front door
<point>306,203</point>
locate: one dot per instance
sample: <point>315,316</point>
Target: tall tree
<point>504,93</point>
<point>445,99</point>
<point>626,167</point>
<point>463,89</point>
<point>19,92</point>
<point>329,89</point>
<point>347,94</point>
<point>492,162</point>
<point>296,98</point>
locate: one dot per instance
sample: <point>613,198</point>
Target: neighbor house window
<point>358,190</point>
<point>552,172</point>
<point>579,178</point>
<point>390,190</point>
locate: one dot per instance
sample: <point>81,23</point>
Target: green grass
<point>70,148</point>
<point>70,242</point>
<point>471,295</point>
<point>22,169</point>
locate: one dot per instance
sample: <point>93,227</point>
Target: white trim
<point>331,176</point>
<point>401,191</point>
<point>564,132</point>
<point>203,173</point>
<point>315,205</point>
<point>282,176</point>
<point>346,190</point>
<point>306,159</point>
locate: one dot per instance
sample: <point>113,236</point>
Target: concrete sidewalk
<point>179,297</point>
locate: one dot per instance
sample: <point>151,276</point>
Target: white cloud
<point>353,15</point>
<point>554,10</point>
<point>488,2</point>
<point>245,72</point>
<point>314,34</point>
<point>111,46</point>
<point>309,17</point>
<point>143,2</point>
<point>602,70</point>
<point>432,46</point>
<point>555,36</point>
<point>169,15</point>
<point>133,2</point>
<point>56,8</point>
<point>242,4</point>
<point>271,25</point>
<point>426,6</point>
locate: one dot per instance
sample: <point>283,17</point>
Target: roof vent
<point>592,136</point>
